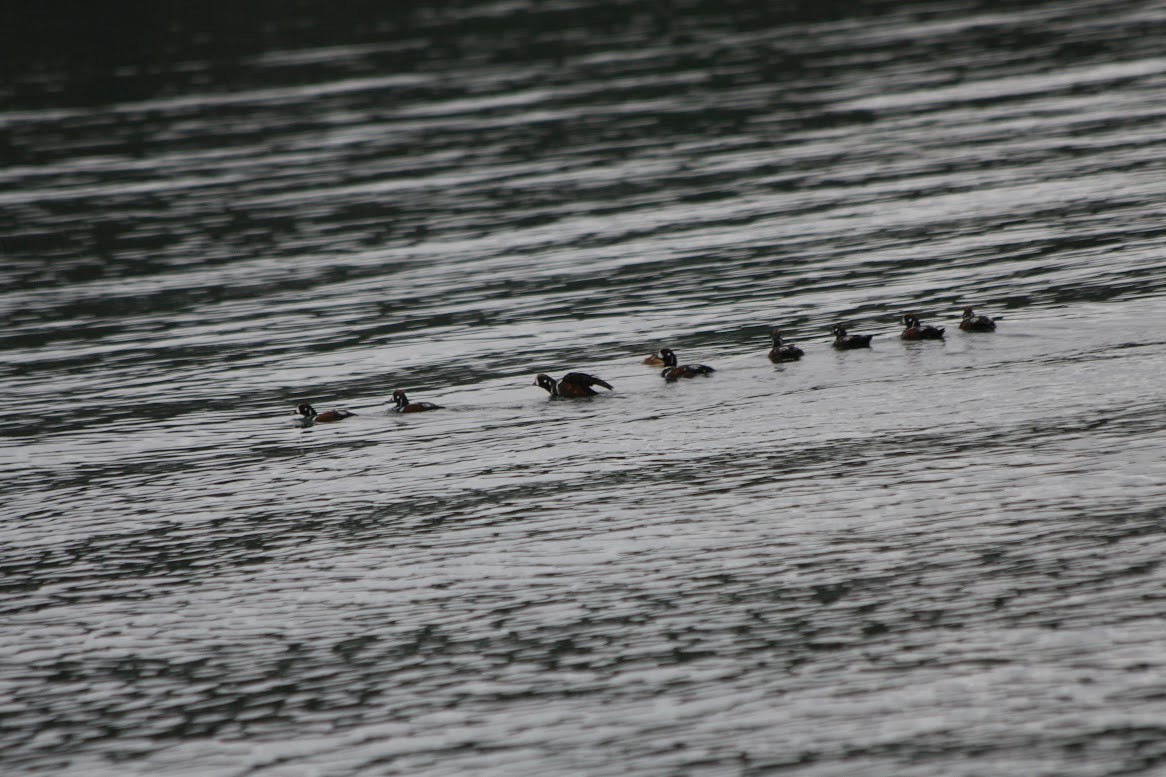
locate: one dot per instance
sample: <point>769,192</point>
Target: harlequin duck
<point>573,384</point>
<point>672,371</point>
<point>783,353</point>
<point>973,323</point>
<point>917,331</point>
<point>308,415</point>
<point>845,341</point>
<point>403,405</point>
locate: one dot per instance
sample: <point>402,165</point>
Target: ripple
<point>923,558</point>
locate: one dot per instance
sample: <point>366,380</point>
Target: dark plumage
<point>973,323</point>
<point>308,415</point>
<point>672,371</point>
<point>573,384</point>
<point>917,331</point>
<point>403,405</point>
<point>781,352</point>
<point>845,341</point>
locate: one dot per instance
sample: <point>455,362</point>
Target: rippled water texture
<point>932,558</point>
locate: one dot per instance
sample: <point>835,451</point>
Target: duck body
<point>573,384</point>
<point>654,360</point>
<point>973,323</point>
<point>783,352</point>
<point>403,405</point>
<point>673,371</point>
<point>915,330</point>
<point>308,415</point>
<point>844,341</point>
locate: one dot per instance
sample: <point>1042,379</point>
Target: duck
<point>844,341</point>
<point>917,331</point>
<point>308,415</point>
<point>573,384</point>
<point>973,323</point>
<point>403,405</point>
<point>654,360</point>
<point>672,371</point>
<point>783,353</point>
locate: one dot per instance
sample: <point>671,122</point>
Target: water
<point>922,559</point>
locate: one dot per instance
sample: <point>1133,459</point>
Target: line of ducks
<point>580,384</point>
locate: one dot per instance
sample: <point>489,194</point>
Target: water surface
<point>921,559</point>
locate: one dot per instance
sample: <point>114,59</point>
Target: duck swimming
<point>308,415</point>
<point>403,405</point>
<point>782,352</point>
<point>917,331</point>
<point>573,384</point>
<point>673,371</point>
<point>843,341</point>
<point>973,323</point>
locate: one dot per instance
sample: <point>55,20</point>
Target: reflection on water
<point>923,558</point>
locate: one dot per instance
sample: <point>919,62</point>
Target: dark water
<point>922,559</point>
